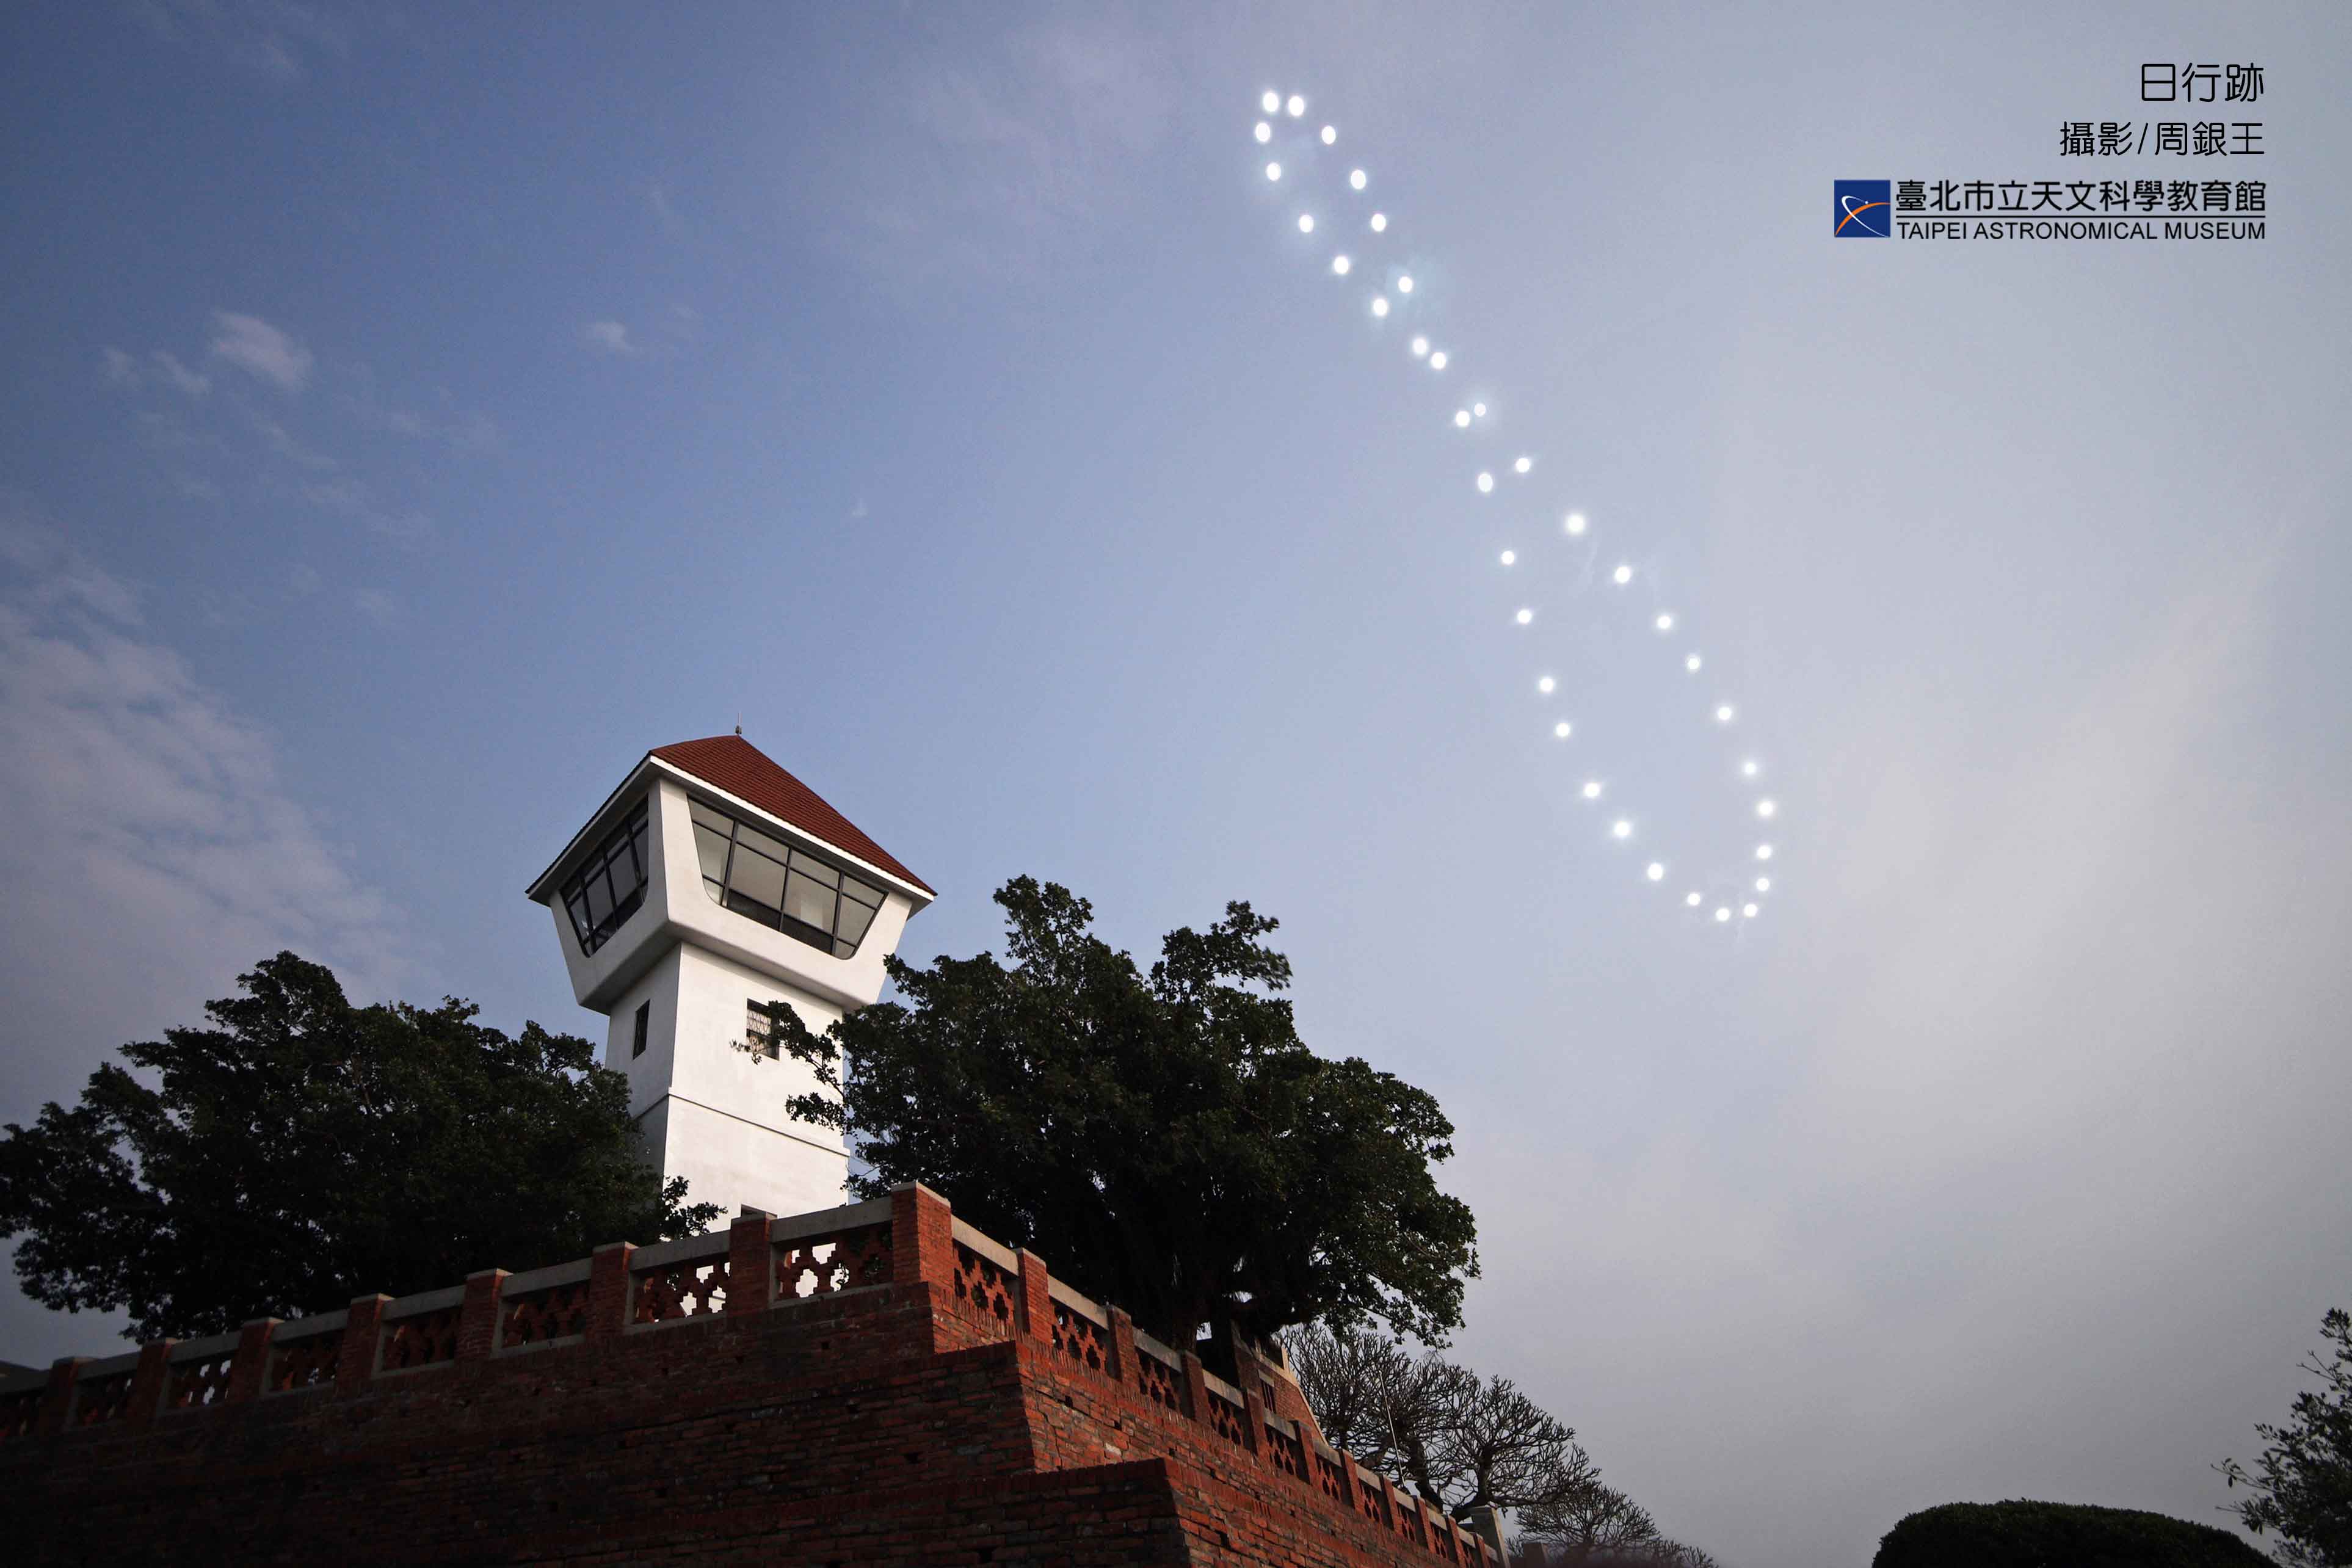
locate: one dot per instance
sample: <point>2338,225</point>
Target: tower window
<point>782,886</point>
<point>758,1031</point>
<point>605,891</point>
<point>637,1030</point>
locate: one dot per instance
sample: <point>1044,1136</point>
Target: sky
<point>415,413</point>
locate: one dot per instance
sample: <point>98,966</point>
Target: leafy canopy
<point>1164,1140</point>
<point>2026,1534</point>
<point>2303,1489</point>
<point>301,1150</point>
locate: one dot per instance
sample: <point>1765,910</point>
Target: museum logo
<point>1862,208</point>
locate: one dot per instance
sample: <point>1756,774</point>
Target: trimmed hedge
<point>2022,1534</point>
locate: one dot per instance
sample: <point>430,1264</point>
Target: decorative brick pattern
<point>983,1290</point>
<point>197,1384</point>
<point>538,1316</point>
<point>307,1363</point>
<point>1226,1417</point>
<point>421,1339</point>
<point>1156,1380</point>
<point>1078,1337</point>
<point>98,1400</point>
<point>20,1413</point>
<point>821,1265</point>
<point>692,1289</point>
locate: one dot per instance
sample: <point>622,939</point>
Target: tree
<point>301,1149</point>
<point>1459,1442</point>
<point>1164,1140</point>
<point>1594,1524</point>
<point>2020,1534</point>
<point>2304,1489</point>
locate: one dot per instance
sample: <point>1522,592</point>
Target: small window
<point>756,1029</point>
<point>637,1030</point>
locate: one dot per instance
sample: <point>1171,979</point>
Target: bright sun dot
<point>1274,171</point>
<point>1622,576</point>
<point>1592,789</point>
<point>1691,899</point>
<point>1560,729</point>
<point>1356,178</point>
<point>1381,305</point>
<point>1665,623</point>
<point>1485,483</point>
<point>1331,134</point>
<point>1437,360</point>
<point>1692,663</point>
<point>1763,884</point>
<point>1524,463</point>
<point>1765,808</point>
<point>1339,264</point>
<point>1657,871</point>
<point>1264,132</point>
<point>1723,714</point>
<point>1748,768</point>
<point>1380,223</point>
<point>1620,829</point>
<point>1510,557</point>
<point>1297,106</point>
<point>1763,852</point>
<point>1420,348</point>
<point>1271,102</point>
<point>1747,910</point>
<point>1306,223</point>
<point>1479,409</point>
<point>1526,616</point>
<point>1575,523</point>
<point>1404,283</point>
<point>1545,685</point>
<point>1462,419</point>
<point>1721,913</point>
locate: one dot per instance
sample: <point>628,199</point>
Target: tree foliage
<point>2302,1487</point>
<point>2022,1534</point>
<point>1456,1440</point>
<point>300,1151</point>
<point>1164,1140</point>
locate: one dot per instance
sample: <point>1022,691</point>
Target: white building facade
<point>712,882</point>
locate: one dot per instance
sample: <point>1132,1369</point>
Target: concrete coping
<point>987,1247</point>
<point>300,1329</point>
<point>32,1380</point>
<point>1282,1424</point>
<point>1085,1306</point>
<point>546,1279</point>
<point>1220,1389</point>
<point>204,1349</point>
<point>107,1367</point>
<point>710,1244</point>
<point>424,1301</point>
<point>849,1216</point>
<point>1158,1352</point>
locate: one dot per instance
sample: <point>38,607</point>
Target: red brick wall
<point>896,1422</point>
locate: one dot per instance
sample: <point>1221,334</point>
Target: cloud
<point>162,368</point>
<point>467,434</point>
<point>156,812</point>
<point>377,605</point>
<point>276,39</point>
<point>611,337</point>
<point>255,346</point>
<point>353,499</point>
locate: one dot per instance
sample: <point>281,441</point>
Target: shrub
<point>2021,1535</point>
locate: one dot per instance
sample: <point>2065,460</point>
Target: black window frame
<point>849,887</point>
<point>638,1028</point>
<point>628,846</point>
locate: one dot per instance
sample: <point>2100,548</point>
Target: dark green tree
<point>1163,1139</point>
<point>300,1151</point>
<point>2302,1486</point>
<point>2021,1533</point>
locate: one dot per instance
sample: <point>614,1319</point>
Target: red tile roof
<point>732,764</point>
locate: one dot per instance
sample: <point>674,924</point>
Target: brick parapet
<point>802,1411</point>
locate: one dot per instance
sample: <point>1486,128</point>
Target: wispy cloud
<point>377,605</point>
<point>276,39</point>
<point>160,368</point>
<point>611,337</point>
<point>139,786</point>
<point>253,345</point>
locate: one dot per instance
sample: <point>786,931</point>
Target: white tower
<point>711,881</point>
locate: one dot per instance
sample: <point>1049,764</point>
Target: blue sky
<point>414,415</point>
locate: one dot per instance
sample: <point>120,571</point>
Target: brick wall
<point>874,1384</point>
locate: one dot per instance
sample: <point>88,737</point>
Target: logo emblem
<point>1862,208</point>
